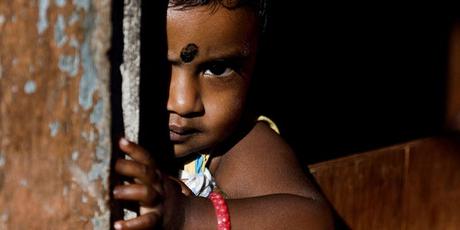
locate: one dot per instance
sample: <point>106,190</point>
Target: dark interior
<point>344,79</point>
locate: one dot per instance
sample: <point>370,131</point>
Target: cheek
<point>225,112</point>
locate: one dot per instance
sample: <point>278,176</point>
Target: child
<point>241,173</point>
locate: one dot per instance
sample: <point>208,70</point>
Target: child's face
<point>212,56</point>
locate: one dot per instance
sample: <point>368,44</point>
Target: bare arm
<point>276,211</point>
<point>260,174</point>
<point>266,186</point>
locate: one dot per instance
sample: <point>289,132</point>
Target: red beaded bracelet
<point>223,217</point>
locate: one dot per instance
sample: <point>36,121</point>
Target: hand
<point>159,197</point>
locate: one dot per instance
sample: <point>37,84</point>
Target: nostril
<point>186,108</point>
<point>185,102</point>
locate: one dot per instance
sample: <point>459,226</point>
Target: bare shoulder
<point>262,163</point>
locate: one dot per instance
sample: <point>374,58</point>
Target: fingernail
<point>124,142</point>
<point>117,226</point>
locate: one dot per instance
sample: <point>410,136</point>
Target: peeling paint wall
<point>54,114</point>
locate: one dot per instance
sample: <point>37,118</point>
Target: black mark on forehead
<point>188,53</point>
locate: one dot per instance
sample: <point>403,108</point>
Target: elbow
<point>316,214</point>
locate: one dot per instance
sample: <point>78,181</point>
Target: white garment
<point>201,184</point>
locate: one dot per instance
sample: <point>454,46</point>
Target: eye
<point>218,69</point>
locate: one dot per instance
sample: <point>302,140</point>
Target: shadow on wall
<point>345,80</point>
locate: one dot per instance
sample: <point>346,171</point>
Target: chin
<point>182,151</point>
<point>178,153</point>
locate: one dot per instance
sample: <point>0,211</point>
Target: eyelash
<point>219,69</point>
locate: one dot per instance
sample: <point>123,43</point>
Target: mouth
<point>180,134</point>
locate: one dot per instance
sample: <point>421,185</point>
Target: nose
<point>184,94</point>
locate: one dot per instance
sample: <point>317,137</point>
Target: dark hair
<point>259,6</point>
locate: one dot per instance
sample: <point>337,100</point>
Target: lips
<point>180,133</point>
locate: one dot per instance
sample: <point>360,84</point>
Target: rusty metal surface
<point>54,114</point>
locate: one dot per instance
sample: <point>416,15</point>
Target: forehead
<point>211,29</point>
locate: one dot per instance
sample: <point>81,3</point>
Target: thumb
<point>184,188</point>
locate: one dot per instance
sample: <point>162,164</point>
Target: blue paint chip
<point>59,31</point>
<point>69,64</point>
<point>74,17</point>
<point>42,23</point>
<point>96,171</point>
<point>83,4</point>
<point>88,82</point>
<point>60,3</point>
<point>2,160</point>
<point>30,87</point>
<point>102,153</point>
<point>98,112</point>
<point>75,155</point>
<point>54,128</point>
<point>74,43</point>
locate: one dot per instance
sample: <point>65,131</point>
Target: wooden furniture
<point>414,185</point>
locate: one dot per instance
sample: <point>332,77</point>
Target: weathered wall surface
<point>54,114</point>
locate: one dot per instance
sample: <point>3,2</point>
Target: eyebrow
<point>236,55</point>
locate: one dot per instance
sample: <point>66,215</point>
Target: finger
<point>135,151</point>
<point>184,188</point>
<point>142,174</point>
<point>136,192</point>
<point>145,221</point>
<point>137,170</point>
